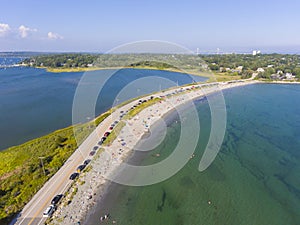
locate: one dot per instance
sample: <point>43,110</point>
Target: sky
<point>98,26</point>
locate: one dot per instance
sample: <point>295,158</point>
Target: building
<point>289,76</point>
<point>260,70</point>
<point>256,52</point>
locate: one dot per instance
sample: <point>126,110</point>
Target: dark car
<point>73,176</point>
<point>116,122</point>
<point>100,142</point>
<point>80,168</point>
<point>92,153</point>
<point>86,162</point>
<point>103,139</point>
<point>111,128</point>
<point>106,134</point>
<point>95,147</point>
<point>56,199</point>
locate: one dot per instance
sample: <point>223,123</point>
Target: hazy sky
<point>96,25</point>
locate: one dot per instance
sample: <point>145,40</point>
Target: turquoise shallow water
<point>253,180</point>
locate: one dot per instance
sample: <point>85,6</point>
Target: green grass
<point>114,133</point>
<point>21,172</point>
<point>141,107</point>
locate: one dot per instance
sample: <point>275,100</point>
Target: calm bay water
<point>254,179</point>
<point>34,102</point>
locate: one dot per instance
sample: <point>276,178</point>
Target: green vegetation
<point>224,67</point>
<point>246,65</point>
<point>114,133</point>
<point>25,168</point>
<point>141,107</point>
<point>62,60</point>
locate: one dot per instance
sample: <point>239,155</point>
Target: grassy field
<point>21,171</point>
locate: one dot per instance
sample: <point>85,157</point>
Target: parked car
<point>106,134</point>
<point>80,168</point>
<point>56,199</point>
<point>73,176</point>
<point>103,139</point>
<point>111,128</point>
<point>92,153</point>
<point>86,162</point>
<point>100,142</point>
<point>95,147</point>
<point>49,211</point>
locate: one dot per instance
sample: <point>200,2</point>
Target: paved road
<point>32,214</point>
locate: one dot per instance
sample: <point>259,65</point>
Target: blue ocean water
<point>34,102</point>
<point>9,61</point>
<point>253,180</point>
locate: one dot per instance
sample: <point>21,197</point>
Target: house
<point>239,69</point>
<point>276,77</point>
<point>289,76</point>
<point>260,70</point>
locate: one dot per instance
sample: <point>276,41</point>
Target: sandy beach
<point>92,184</point>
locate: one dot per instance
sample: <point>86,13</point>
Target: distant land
<point>224,66</point>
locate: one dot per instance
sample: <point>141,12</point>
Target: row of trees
<point>272,63</point>
<point>62,60</point>
<point>220,63</point>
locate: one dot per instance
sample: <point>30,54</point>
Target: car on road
<point>100,142</point>
<point>49,211</point>
<point>95,147</point>
<point>111,128</point>
<point>92,153</point>
<point>103,139</point>
<point>56,199</point>
<point>87,161</point>
<point>106,134</point>
<point>81,167</point>
<point>73,176</point>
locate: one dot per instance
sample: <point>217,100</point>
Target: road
<point>32,214</point>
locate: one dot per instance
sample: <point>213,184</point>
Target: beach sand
<point>91,188</point>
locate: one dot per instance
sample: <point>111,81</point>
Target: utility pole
<point>41,158</point>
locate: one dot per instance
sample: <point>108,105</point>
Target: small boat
<point>105,217</point>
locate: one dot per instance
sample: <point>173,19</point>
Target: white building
<point>289,76</point>
<point>260,70</point>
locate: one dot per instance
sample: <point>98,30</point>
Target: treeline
<point>271,63</point>
<point>229,64</point>
<point>62,60</point>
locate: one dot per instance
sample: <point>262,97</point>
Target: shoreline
<point>95,182</point>
<point>79,69</point>
<point>226,86</point>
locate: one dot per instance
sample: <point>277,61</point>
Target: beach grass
<point>141,107</point>
<point>25,168</point>
<point>114,134</point>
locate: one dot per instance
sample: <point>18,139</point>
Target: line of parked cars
<point>57,199</point>
<point>52,207</point>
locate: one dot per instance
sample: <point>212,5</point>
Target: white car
<point>49,211</point>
